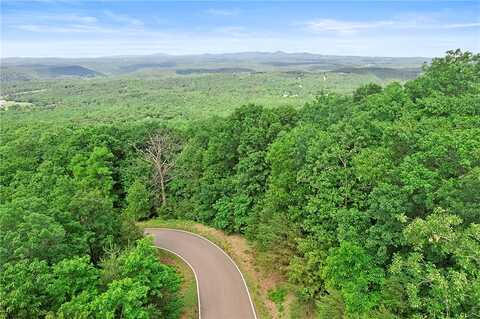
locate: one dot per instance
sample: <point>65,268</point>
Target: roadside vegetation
<point>366,203</point>
<point>67,249</point>
<point>188,287</point>
<point>260,278</point>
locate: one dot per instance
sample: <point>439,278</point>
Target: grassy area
<point>189,285</point>
<point>264,283</point>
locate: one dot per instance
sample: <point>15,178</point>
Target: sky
<point>74,28</point>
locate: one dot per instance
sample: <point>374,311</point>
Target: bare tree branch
<point>160,152</point>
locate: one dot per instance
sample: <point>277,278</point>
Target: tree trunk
<point>160,152</point>
<point>162,190</point>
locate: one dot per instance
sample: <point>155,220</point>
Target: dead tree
<point>160,152</point>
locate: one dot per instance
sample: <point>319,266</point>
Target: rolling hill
<point>26,72</point>
<point>21,69</point>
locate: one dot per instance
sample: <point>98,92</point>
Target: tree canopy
<point>370,202</point>
<point>68,247</point>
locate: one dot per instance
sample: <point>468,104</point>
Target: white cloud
<point>233,31</point>
<point>331,25</point>
<point>223,12</point>
<point>124,19</point>
<point>352,27</point>
<point>47,18</point>
<point>72,18</point>
<point>461,25</point>
<point>72,23</point>
<point>196,43</point>
<point>72,28</point>
<point>108,33</point>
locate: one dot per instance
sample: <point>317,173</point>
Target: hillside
<point>205,63</point>
<point>383,73</point>
<point>234,159</point>
<point>363,196</point>
<point>27,72</point>
<point>166,95</point>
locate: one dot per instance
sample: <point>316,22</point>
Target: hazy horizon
<point>90,29</point>
<point>208,53</point>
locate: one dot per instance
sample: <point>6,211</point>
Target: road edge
<point>194,274</point>
<point>228,256</point>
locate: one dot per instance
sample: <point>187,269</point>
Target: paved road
<point>222,289</point>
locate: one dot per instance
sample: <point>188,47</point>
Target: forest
<point>368,203</point>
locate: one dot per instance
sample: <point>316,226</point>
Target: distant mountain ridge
<point>31,68</point>
<point>25,72</point>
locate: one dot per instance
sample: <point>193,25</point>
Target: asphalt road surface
<point>223,293</point>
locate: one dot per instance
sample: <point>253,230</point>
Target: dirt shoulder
<point>262,282</point>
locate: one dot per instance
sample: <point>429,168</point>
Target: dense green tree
<point>351,270</point>
<point>123,299</point>
<point>138,201</point>
<point>95,171</point>
<point>368,203</point>
<point>225,171</point>
<point>100,221</point>
<point>70,278</point>
<point>366,90</point>
<point>23,288</point>
<point>455,74</point>
<point>60,213</point>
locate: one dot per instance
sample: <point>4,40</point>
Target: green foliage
<point>138,201</point>
<point>166,97</point>
<point>62,193</point>
<point>95,171</point>
<point>278,296</point>
<point>137,286</point>
<point>366,90</point>
<point>232,213</point>
<point>22,289</point>
<point>225,171</point>
<point>331,305</point>
<point>351,270</point>
<point>71,277</point>
<point>140,288</point>
<point>34,235</point>
<point>368,203</point>
<point>456,74</point>
<point>124,298</point>
<point>434,276</point>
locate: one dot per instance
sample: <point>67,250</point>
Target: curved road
<point>223,293</point>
